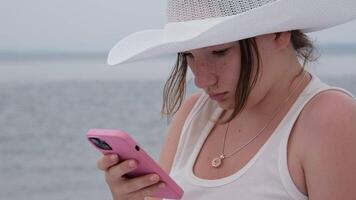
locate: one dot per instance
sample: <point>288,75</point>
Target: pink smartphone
<point>118,142</point>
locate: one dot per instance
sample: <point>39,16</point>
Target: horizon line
<point>336,48</point>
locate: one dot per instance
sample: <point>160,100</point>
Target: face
<point>216,70</point>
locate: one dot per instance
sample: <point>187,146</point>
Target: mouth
<point>218,96</point>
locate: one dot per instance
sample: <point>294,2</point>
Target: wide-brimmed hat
<point>195,24</point>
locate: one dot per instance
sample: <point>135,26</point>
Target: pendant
<point>216,162</point>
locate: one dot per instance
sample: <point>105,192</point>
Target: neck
<point>273,87</point>
<point>289,83</point>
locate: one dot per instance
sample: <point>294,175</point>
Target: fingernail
<point>132,163</point>
<point>113,158</point>
<point>154,177</point>
<point>161,185</point>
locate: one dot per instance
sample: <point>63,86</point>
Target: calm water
<point>43,150</point>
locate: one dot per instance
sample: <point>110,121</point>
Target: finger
<point>116,172</point>
<point>141,182</point>
<point>147,191</point>
<point>105,162</point>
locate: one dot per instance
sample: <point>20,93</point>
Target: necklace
<point>216,162</point>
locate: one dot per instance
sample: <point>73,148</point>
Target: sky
<point>92,26</point>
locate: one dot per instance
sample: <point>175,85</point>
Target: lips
<point>217,96</point>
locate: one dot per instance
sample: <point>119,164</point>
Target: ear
<point>282,39</point>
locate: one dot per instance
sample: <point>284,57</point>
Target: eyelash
<point>221,52</point>
<point>218,53</point>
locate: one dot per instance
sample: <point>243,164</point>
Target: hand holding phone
<point>118,142</point>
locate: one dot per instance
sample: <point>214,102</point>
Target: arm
<point>329,156</point>
<point>170,145</point>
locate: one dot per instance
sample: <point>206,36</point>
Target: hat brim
<point>281,15</point>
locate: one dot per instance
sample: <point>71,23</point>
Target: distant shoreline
<point>11,55</point>
<point>21,56</point>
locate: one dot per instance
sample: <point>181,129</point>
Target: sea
<point>48,104</point>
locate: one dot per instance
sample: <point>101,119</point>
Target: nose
<point>204,77</point>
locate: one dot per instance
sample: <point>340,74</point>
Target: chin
<point>225,105</point>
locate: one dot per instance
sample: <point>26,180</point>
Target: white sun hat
<point>195,24</point>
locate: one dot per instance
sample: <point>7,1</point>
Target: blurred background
<point>55,86</point>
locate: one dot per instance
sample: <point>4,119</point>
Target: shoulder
<point>328,140</point>
<point>187,106</point>
<point>329,109</point>
<point>170,144</point>
<point>330,115</point>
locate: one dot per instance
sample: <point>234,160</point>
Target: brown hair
<point>174,89</point>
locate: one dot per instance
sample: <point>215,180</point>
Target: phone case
<point>119,142</point>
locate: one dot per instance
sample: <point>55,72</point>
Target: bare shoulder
<point>329,135</point>
<point>170,145</point>
<point>329,109</point>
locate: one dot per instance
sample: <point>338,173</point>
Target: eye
<point>221,52</point>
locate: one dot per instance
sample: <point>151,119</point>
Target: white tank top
<point>265,176</point>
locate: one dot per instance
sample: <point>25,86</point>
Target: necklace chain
<point>216,162</point>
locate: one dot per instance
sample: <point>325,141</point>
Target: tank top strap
<point>314,87</point>
<point>199,120</point>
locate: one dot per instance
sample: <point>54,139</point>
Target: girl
<point>262,127</point>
